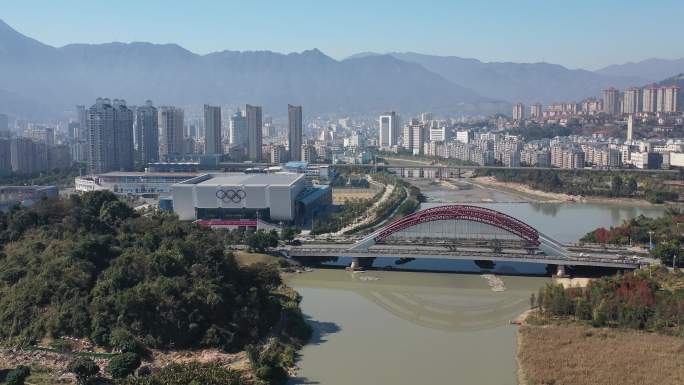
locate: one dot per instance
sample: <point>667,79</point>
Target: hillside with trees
<point>90,267</point>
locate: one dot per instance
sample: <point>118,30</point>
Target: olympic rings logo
<point>230,195</point>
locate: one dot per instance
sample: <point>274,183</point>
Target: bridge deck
<point>461,253</point>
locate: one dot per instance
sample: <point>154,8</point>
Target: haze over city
<point>358,192</point>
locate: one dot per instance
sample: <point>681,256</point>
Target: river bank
<point>622,329</point>
<point>583,355</point>
<point>544,196</point>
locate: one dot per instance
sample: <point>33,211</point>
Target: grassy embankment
<point>582,355</point>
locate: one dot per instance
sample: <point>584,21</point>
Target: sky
<point>576,34</point>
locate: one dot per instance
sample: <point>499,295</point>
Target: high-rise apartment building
<point>631,103</point>
<point>294,131</point>
<point>668,99</point>
<point>147,133</point>
<point>464,136</point>
<point>518,111</point>
<point>611,101</point>
<point>212,130</point>
<point>591,106</point>
<point>438,134</point>
<point>650,99</point>
<point>123,135</point>
<point>389,129</point>
<point>100,123</point>
<point>309,153</point>
<point>415,134</point>
<point>171,129</point>
<point>280,155</point>
<point>536,111</point>
<point>238,129</point>
<point>254,127</point>
<point>41,134</point>
<point>81,148</point>
<point>27,156</point>
<point>110,136</point>
<point>5,157</point>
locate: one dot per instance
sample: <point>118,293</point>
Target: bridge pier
<point>355,265</point>
<point>560,271</point>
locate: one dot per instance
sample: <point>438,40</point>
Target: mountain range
<point>652,70</point>
<point>40,80</point>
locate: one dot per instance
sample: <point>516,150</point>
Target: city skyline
<point>266,26</point>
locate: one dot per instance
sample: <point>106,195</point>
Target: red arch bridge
<point>469,233</point>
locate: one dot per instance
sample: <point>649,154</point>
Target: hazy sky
<point>579,33</point>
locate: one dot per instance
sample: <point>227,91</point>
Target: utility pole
<point>674,261</point>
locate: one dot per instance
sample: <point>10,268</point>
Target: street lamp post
<point>650,239</point>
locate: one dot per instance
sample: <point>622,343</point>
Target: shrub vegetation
<point>89,266</point>
<point>650,300</point>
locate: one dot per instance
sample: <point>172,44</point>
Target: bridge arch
<point>467,213</point>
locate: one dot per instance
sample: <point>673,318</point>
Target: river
<point>410,327</point>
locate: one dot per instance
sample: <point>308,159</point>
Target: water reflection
<point>434,301</point>
<point>321,329</point>
<point>545,208</point>
<point>401,328</point>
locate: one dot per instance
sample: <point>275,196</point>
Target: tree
<point>122,365</point>
<point>125,341</point>
<point>115,211</point>
<point>84,369</point>
<point>289,233</point>
<point>18,375</point>
<point>665,251</point>
<point>616,184</point>
<point>273,238</point>
<point>632,186</point>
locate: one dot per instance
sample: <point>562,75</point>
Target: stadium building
<point>282,197</point>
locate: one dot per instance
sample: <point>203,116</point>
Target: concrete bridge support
<point>560,271</point>
<point>360,263</point>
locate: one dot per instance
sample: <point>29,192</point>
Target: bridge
<point>465,232</point>
<point>436,171</point>
<point>411,169</point>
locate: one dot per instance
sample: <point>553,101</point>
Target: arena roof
<point>239,179</point>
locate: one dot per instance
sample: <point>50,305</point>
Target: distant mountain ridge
<point>36,79</point>
<point>524,82</point>
<point>170,74</point>
<point>651,70</point>
<point>677,80</point>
